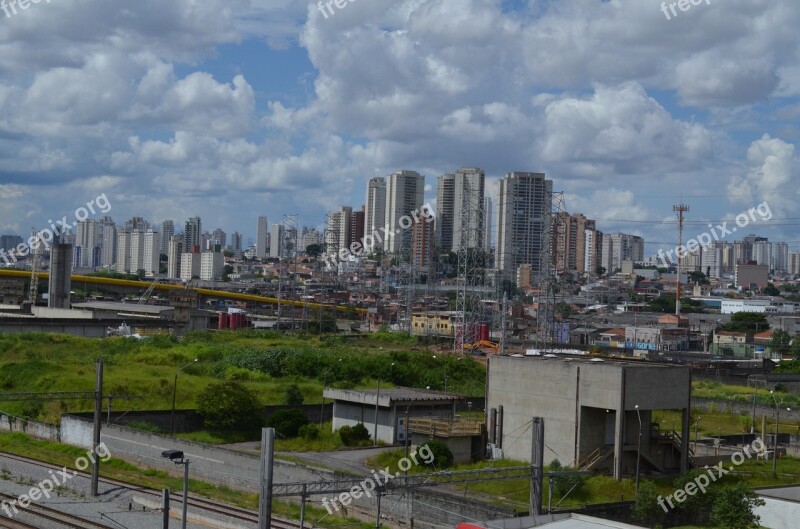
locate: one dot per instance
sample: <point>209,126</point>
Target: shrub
<point>292,395</point>
<point>144,426</point>
<point>564,484</point>
<point>309,432</point>
<point>442,455</point>
<point>287,423</point>
<point>354,435</point>
<point>229,406</point>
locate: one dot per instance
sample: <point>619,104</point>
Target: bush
<point>292,395</point>
<point>229,406</point>
<point>564,484</point>
<point>442,455</point>
<point>287,423</point>
<point>309,432</point>
<point>354,435</point>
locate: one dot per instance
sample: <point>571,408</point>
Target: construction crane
<point>147,293</point>
<point>34,290</point>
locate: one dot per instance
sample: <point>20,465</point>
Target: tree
<point>442,455</point>
<point>647,509</point>
<point>287,423</point>
<point>770,290</point>
<point>733,508</point>
<point>314,250</point>
<point>780,342</point>
<point>747,322</point>
<point>229,406</point>
<point>292,395</point>
<point>794,350</point>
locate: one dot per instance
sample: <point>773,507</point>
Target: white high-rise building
<point>212,265</point>
<point>167,231</point>
<point>405,194</point>
<point>262,238</point>
<point>137,251</point>
<point>524,198</point>
<point>375,207</point>
<point>712,261</point>
<point>618,247</point>
<point>174,252</point>
<point>85,239</point>
<point>151,254</point>
<point>109,253</point>
<point>190,266</point>
<point>123,260</point>
<point>340,223</point>
<point>762,253</point>
<point>780,257</point>
<point>276,237</point>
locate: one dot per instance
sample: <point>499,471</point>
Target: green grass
<point>146,368</point>
<point>60,454</point>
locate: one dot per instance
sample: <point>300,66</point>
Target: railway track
<point>38,510</point>
<point>204,504</point>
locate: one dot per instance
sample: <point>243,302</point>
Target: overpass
<point>221,294</point>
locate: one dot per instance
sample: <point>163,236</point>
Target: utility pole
<point>265,481</point>
<point>681,209</point>
<point>98,411</point>
<point>537,465</point>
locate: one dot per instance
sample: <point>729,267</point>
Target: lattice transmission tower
<point>551,269</point>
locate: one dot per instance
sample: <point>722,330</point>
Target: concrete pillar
<point>492,421</point>
<point>619,429</point>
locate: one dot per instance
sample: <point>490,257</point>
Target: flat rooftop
<point>389,395</point>
<point>123,307</point>
<point>587,359</point>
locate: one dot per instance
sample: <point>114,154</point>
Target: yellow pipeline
<point>95,280</point>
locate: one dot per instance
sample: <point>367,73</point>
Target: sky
<point>232,109</point>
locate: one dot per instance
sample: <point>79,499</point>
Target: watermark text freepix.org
<point>326,6</point>
<point>59,227</point>
<point>56,479</point>
<point>9,7</point>
<point>712,474</point>
<point>761,212</point>
<point>366,487</point>
<point>683,5</point>
<point>367,243</point>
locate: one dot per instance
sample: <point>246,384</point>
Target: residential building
<point>262,238</point>
<point>445,211</point>
<point>212,264</point>
<point>123,260</point>
<point>618,247</point>
<point>108,256</point>
<point>375,207</point>
<point>167,231</point>
<point>422,238</point>
<point>192,235</point>
<point>151,253</point>
<point>780,257</point>
<point>277,234</point>
<point>405,193</point>
<point>489,224</point>
<point>219,239</point>
<point>712,261</point>
<point>340,226</point>
<point>762,253</point>
<point>524,200</point>
<point>190,266</point>
<point>468,214</point>
<point>175,250</point>
<point>236,241</point>
<point>794,263</point>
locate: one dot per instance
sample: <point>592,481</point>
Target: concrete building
<point>375,206</point>
<point>794,263</point>
<point>167,231</point>
<point>190,266</point>
<point>751,276</point>
<point>277,234</point>
<point>592,411</point>
<point>422,236</point>
<point>712,261</point>
<point>108,255</point>
<point>405,193</point>
<point>569,242</point>
<point>433,323</point>
<point>762,253</point>
<point>352,407</point>
<point>339,235</point>
<point>618,247</point>
<point>524,198</point>
<point>193,234</point>
<point>151,253</point>
<point>174,251</point>
<point>262,238</point>
<point>489,224</point>
<point>236,242</point>
<point>212,264</point>
<point>60,279</point>
<point>445,211</point>
<point>123,260</point>
<point>780,257</point>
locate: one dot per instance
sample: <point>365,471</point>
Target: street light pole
<point>696,422</point>
<point>174,395</point>
<point>638,449</point>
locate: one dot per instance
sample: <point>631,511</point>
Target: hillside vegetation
<point>264,361</point>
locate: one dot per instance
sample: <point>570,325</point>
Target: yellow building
<point>433,323</point>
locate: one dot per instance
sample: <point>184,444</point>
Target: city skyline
<point>275,111</point>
